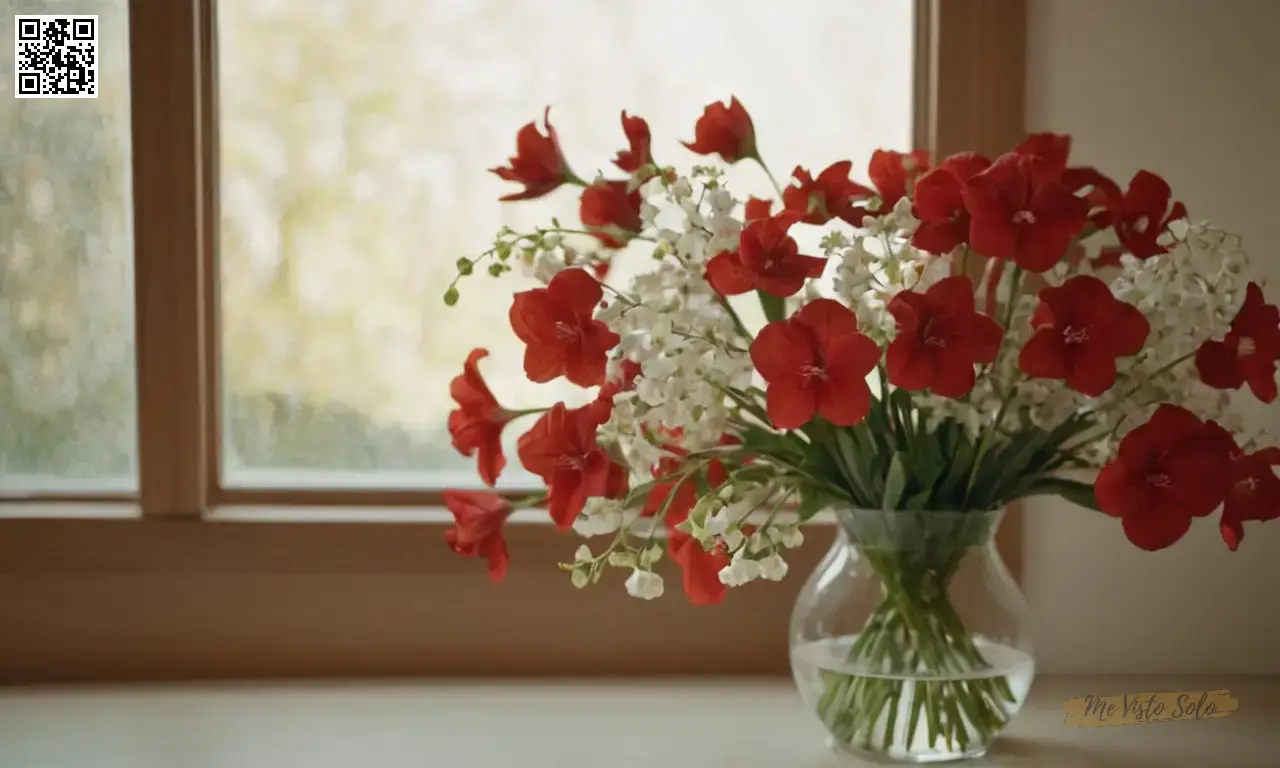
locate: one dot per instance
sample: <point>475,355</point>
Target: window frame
<point>192,587</point>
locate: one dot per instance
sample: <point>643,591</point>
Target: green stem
<point>920,663</point>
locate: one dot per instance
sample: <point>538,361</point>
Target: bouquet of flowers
<point>974,331</point>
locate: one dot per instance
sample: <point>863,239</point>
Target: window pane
<point>68,403</point>
<point>355,138</point>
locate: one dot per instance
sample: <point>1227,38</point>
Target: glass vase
<point>910,641</point>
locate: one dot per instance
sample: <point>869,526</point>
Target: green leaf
<point>895,484</point>
<point>1072,490</point>
<point>918,501</point>
<point>775,308</point>
<point>853,463</point>
<point>1002,470</point>
<point>961,465</point>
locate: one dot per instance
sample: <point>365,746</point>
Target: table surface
<point>673,723</point>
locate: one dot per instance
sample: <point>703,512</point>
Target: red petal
<point>1127,330</point>
<point>542,363</point>
<point>1043,356</point>
<point>937,196</point>
<point>849,357</point>
<point>951,295</point>
<point>781,350</point>
<point>1232,533</point>
<point>496,552</point>
<point>843,402</point>
<point>1157,528</point>
<point>953,374</point>
<point>827,320</point>
<point>908,364</point>
<point>575,289</point>
<point>755,208</point>
<point>727,276</point>
<point>1148,193</point>
<point>1261,375</point>
<point>940,237</point>
<point>490,460</point>
<point>982,338</point>
<point>1219,366</point>
<point>790,402</point>
<point>1093,371</point>
<point>1117,494</point>
<point>963,165</point>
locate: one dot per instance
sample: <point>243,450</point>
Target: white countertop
<point>684,723</point>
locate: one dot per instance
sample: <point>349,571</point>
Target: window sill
<point>567,725</point>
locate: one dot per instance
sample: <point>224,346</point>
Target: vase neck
<point>918,530</point>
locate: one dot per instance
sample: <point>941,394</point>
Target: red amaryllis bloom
<point>815,361</point>
<point>624,381</point>
<point>611,212</point>
<point>726,131</point>
<point>638,155</point>
<point>940,338</point>
<point>538,163</point>
<point>1167,471</point>
<point>1081,329</point>
<point>476,424</point>
<point>830,195</point>
<point>1249,351</point>
<point>767,259</point>
<point>1019,210</point>
<point>478,517</point>
<point>560,334</point>
<point>561,448</point>
<point>1254,493</point>
<point>1142,214</point>
<point>939,203</point>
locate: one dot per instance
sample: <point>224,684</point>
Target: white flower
<point>739,571</point>
<point>579,578</point>
<point>645,585</point>
<point>583,554</point>
<point>773,567</point>
<point>682,189</point>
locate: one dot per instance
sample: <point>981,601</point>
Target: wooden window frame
<point>191,588</point>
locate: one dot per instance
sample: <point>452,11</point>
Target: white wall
<point>1189,89</point>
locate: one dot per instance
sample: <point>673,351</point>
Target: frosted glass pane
<point>68,401</point>
<point>355,138</point>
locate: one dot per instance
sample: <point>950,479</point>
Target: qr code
<point>56,57</point>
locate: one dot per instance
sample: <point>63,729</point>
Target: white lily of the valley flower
<point>739,571</point>
<point>645,585</point>
<point>773,567</point>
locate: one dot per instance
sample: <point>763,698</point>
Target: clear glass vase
<point>911,640</point>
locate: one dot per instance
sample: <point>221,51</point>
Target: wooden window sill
<point>671,722</point>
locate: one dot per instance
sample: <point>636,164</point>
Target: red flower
<point>476,424</point>
<point>832,194</point>
<point>767,259</point>
<point>1167,471</point>
<point>611,212</point>
<point>1142,214</point>
<point>561,448</point>
<point>1020,210</point>
<point>538,163</point>
<point>633,159</point>
<point>724,130</point>
<point>1081,329</point>
<point>1249,351</point>
<point>478,517</point>
<point>756,208</point>
<point>560,335</point>
<point>939,203</point>
<point>815,361</point>
<point>1254,492</point>
<point>939,339</point>
<point>602,406</point>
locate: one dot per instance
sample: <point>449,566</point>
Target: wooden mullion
<point>164,68</point>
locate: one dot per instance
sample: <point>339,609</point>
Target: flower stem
<point>920,663</point>
<point>777,188</point>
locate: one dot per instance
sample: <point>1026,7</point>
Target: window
<point>291,220</point>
